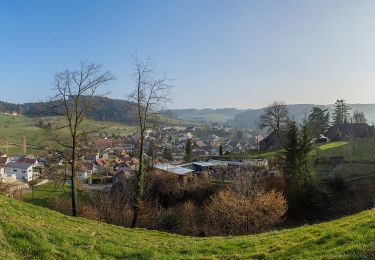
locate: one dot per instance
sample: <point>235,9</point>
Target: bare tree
<point>275,117</point>
<point>76,93</point>
<point>151,96</point>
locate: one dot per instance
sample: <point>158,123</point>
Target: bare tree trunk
<point>140,183</point>
<point>73,180</point>
<point>150,95</point>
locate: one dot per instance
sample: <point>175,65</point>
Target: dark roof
<point>18,165</point>
<point>272,141</point>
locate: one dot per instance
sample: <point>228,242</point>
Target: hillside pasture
<point>14,128</point>
<point>32,232</point>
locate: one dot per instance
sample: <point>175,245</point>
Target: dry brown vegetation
<point>200,209</point>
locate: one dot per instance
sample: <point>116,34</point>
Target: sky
<point>219,53</point>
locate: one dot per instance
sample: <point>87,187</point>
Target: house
<point>83,175</point>
<point>199,145</point>
<point>199,152</point>
<point>227,148</point>
<point>28,159</point>
<point>273,141</point>
<point>85,171</point>
<point>345,131</point>
<point>129,164</point>
<point>22,170</point>
<point>99,165</point>
<point>90,157</point>
<point>184,174</point>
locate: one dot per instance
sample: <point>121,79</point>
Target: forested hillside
<point>105,109</point>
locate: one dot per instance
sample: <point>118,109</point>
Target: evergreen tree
<point>341,113</point>
<point>297,154</point>
<point>318,121</point>
<point>305,198</point>
<point>151,151</point>
<point>189,151</point>
<point>221,152</point>
<point>290,154</point>
<point>167,154</point>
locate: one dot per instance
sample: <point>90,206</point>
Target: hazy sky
<point>229,53</point>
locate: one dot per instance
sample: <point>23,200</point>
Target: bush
<point>170,220</point>
<point>164,188</point>
<point>230,213</point>
<point>307,201</point>
<point>338,182</point>
<point>190,219</point>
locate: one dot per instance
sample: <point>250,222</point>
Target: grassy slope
<point>45,195</point>
<point>28,231</point>
<point>13,127</point>
<point>364,150</point>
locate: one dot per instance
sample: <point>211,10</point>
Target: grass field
<point>362,150</point>
<point>32,232</point>
<point>45,195</point>
<point>13,128</point>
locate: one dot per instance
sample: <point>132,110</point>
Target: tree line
<point>276,117</point>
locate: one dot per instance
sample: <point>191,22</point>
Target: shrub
<point>230,213</point>
<point>190,219</point>
<point>338,182</point>
<point>164,188</point>
<point>306,201</point>
<point>170,220</point>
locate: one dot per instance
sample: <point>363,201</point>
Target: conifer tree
<point>341,113</point>
<point>189,151</point>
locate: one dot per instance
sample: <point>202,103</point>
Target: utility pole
<point>24,144</point>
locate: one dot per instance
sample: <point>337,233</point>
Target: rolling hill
<point>14,128</point>
<point>32,232</point>
<point>106,109</point>
<point>122,111</point>
<point>207,115</point>
<point>247,118</point>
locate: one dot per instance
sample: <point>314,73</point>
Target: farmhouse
<point>345,131</point>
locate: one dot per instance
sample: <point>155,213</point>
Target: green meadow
<point>32,232</point>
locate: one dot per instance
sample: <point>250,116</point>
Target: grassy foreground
<point>28,231</point>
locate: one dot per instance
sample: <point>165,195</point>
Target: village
<point>214,149</point>
<point>105,159</point>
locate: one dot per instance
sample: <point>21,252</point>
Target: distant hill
<point>220,115</point>
<point>247,118</point>
<point>107,109</point>
<point>123,111</point>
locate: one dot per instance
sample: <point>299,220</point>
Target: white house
<point>83,175</point>
<point>22,170</point>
